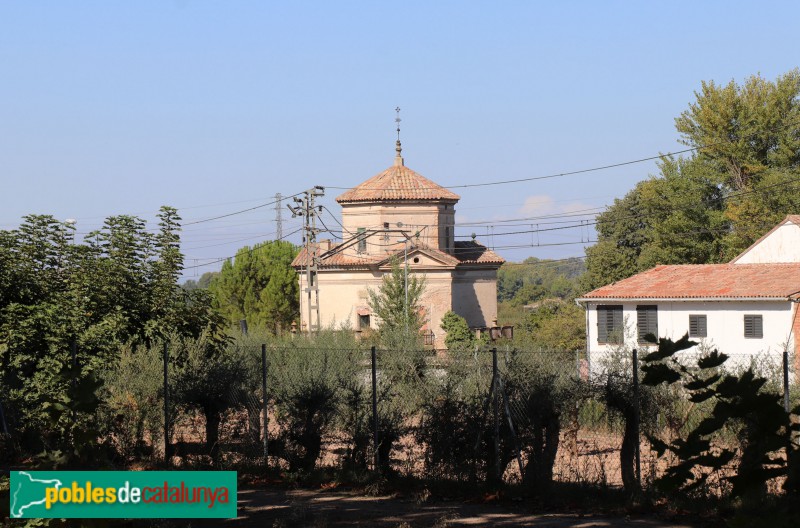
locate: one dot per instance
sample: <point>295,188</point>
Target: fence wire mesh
<point>480,415</point>
<point>533,416</point>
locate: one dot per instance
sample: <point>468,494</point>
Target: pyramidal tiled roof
<point>397,183</point>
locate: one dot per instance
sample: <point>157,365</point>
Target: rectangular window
<point>753,326</point>
<point>447,238</point>
<point>363,322</point>
<point>362,239</point>
<point>609,324</point>
<point>646,321</point>
<point>698,327</point>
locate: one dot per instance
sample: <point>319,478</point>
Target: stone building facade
<point>401,215</point>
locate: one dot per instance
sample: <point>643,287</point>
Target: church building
<point>399,214</point>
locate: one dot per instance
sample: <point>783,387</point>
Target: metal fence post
<point>265,409</point>
<point>496,416</point>
<point>786,379</point>
<point>375,409</point>
<point>636,415</point>
<point>166,404</point>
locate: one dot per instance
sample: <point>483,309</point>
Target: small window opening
<point>362,239</point>
<point>753,326</point>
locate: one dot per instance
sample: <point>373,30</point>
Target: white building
<point>746,308</point>
<point>399,214</point>
<point>780,244</point>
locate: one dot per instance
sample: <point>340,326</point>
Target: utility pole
<point>307,207</point>
<point>405,278</point>
<point>278,218</point>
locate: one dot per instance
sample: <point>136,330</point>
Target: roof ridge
<point>722,280</point>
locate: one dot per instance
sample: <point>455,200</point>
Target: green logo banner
<point>123,494</point>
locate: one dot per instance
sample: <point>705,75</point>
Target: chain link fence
<point>474,416</point>
<point>485,415</point>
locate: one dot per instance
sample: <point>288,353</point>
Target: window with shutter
<point>609,324</point>
<point>362,239</point>
<point>646,321</point>
<point>753,326</point>
<point>698,326</point>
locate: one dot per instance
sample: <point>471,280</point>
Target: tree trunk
<point>212,433</point>
<point>550,451</point>
<point>539,468</point>
<point>627,452</point>
<point>749,483</point>
<point>312,442</point>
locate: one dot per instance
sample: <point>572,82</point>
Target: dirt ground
<point>322,509</point>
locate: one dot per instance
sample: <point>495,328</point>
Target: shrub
<point>308,379</point>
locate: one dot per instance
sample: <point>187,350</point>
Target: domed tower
<point>399,215</point>
<point>400,201</point>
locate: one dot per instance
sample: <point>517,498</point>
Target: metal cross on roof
<point>398,148</point>
<point>397,120</point>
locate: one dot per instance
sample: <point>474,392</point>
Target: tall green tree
<point>676,217</point>
<point>769,199</point>
<point>742,131</point>
<point>118,286</point>
<point>743,178</point>
<point>259,286</point>
<point>202,283</point>
<point>555,325</point>
<point>397,303</point>
<point>533,279</point>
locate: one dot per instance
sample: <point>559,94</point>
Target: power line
<point>543,262</point>
<point>592,169</point>
<point>586,224</point>
<point>519,246</point>
<point>250,250</point>
<point>659,212</point>
<point>239,212</point>
<point>228,242</point>
<point>549,176</point>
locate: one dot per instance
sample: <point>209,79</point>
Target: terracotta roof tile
<point>469,251</point>
<point>337,260</point>
<point>465,253</point>
<point>397,183</point>
<point>769,281</point>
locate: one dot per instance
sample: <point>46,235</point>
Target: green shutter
<point>609,323</point>
<point>602,325</point>
<point>362,239</point>
<point>753,326</point>
<point>698,326</point>
<point>646,321</point>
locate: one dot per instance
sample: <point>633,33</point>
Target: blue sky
<point>214,106</point>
